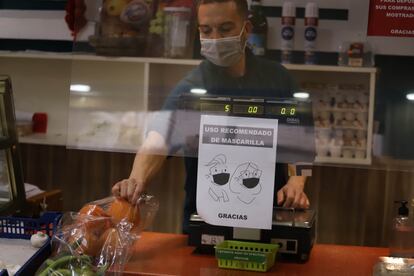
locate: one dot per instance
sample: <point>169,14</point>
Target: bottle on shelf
<point>402,234</point>
<point>311,32</point>
<point>257,40</point>
<point>288,31</point>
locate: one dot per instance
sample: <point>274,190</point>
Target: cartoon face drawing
<point>218,170</point>
<point>245,182</point>
<point>251,178</point>
<point>219,177</point>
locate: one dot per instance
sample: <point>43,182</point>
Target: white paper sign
<point>236,171</point>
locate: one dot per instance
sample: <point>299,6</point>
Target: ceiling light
<point>301,95</point>
<point>198,91</point>
<point>410,96</point>
<point>80,88</point>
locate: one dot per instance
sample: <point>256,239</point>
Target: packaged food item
<point>357,54</point>
<point>177,32</point>
<point>311,32</point>
<point>288,31</point>
<point>97,240</point>
<point>257,40</point>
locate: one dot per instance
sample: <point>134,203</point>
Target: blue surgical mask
<point>224,52</point>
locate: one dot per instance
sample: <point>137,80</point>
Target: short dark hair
<point>242,6</point>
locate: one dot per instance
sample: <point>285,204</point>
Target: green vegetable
<point>61,272</point>
<point>101,270</point>
<point>76,244</point>
<point>88,273</point>
<point>63,261</point>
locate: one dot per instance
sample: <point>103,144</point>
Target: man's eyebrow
<point>228,23</point>
<point>221,24</point>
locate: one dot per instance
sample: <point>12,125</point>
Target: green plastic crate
<point>246,255</point>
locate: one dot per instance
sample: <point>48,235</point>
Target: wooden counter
<point>168,254</point>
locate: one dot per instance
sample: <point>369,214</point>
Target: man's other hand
<point>292,194</point>
<point>129,189</point>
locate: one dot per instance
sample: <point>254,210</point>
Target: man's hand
<point>292,194</point>
<point>129,189</point>
<point>148,161</point>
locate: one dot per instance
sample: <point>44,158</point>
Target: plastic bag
<point>99,237</point>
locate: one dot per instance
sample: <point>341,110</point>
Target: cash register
<point>293,230</point>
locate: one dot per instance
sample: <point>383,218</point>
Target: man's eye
<point>205,31</point>
<point>225,30</point>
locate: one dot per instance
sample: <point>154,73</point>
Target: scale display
<point>261,108</point>
<point>296,138</point>
<point>248,109</point>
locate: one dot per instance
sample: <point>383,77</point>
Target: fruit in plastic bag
<point>120,210</point>
<point>84,242</point>
<point>99,237</point>
<point>93,210</point>
<point>94,218</point>
<point>111,241</point>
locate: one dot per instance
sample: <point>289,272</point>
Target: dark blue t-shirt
<point>263,78</point>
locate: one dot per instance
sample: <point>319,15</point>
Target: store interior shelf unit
<point>128,87</point>
<point>89,57</point>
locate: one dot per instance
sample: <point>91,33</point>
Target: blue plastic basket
<point>24,228</point>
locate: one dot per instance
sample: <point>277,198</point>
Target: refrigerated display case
<point>12,194</point>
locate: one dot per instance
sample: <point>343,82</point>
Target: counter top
<point>168,254</point>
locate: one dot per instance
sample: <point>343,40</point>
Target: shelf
<point>136,84</point>
<point>193,62</point>
<point>327,146</point>
<point>345,161</point>
<point>114,148</point>
<point>343,110</point>
<point>44,139</point>
<point>89,57</point>
<point>325,68</point>
<point>60,140</point>
<point>340,127</point>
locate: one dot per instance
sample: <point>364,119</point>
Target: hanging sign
<point>391,18</point>
<point>236,171</point>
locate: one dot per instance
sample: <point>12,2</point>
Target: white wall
<point>333,32</point>
<point>51,25</point>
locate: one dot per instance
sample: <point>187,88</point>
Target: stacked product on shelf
<point>341,120</point>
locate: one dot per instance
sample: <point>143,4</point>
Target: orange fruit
<point>84,242</point>
<point>93,210</point>
<point>121,210</point>
<point>94,218</point>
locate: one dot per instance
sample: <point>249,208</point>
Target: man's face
<point>219,20</point>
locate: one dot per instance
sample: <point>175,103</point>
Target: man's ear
<point>249,27</point>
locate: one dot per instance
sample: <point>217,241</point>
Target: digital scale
<point>293,230</point>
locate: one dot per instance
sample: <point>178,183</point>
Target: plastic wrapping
<point>99,237</point>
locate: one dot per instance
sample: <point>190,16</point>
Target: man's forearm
<point>150,158</point>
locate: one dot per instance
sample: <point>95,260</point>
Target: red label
<point>391,18</point>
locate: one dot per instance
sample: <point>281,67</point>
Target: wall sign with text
<point>391,18</point>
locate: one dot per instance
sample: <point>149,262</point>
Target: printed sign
<point>236,171</point>
<point>391,18</point>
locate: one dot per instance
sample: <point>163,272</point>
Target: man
<point>229,69</point>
